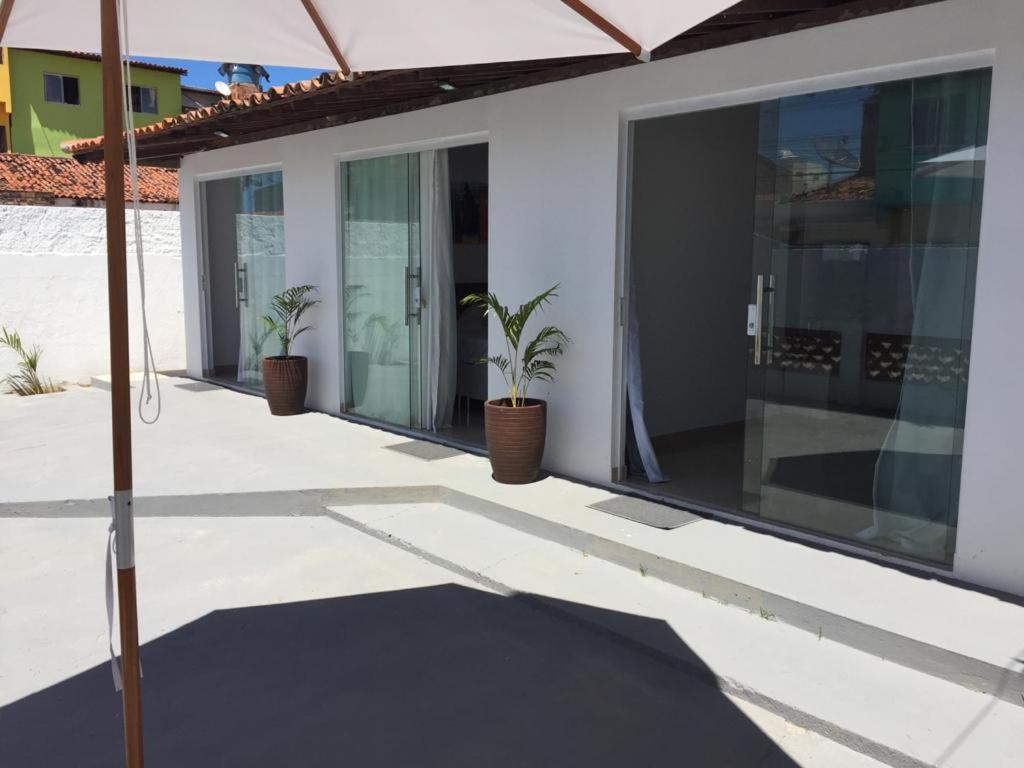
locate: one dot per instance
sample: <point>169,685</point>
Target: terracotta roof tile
<point>852,188</point>
<point>65,177</point>
<point>135,63</point>
<point>226,105</point>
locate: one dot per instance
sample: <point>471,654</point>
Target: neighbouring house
<point>53,288</point>
<point>5,101</point>
<point>788,251</point>
<point>193,97</point>
<point>50,97</point>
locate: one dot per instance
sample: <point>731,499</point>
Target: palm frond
<point>27,380</point>
<point>288,307</point>
<point>519,369</point>
<point>499,361</point>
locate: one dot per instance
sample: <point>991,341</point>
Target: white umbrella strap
<point>115,660</point>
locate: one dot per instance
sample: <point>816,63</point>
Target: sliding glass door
<point>865,249</point>
<point>381,273</point>
<point>840,228</point>
<point>244,224</point>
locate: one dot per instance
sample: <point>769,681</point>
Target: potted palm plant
<point>286,376</point>
<point>516,425</point>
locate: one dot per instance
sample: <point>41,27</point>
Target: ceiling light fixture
<point>444,85</point>
<point>221,134</point>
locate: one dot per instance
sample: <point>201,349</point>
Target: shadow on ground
<point>438,676</point>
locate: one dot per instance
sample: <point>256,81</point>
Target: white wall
<point>555,171</point>
<point>53,288</point>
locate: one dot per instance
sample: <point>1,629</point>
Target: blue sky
<point>203,74</point>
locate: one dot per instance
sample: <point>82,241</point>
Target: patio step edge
<point>833,731</point>
<point>969,672</point>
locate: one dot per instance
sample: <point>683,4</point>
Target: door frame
<point>403,148</point>
<point>627,119</point>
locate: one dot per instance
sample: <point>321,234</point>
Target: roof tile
<point>278,93</point>
<point>65,177</point>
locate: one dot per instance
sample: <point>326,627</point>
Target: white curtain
<point>915,462</point>
<point>635,395</point>
<point>439,312</point>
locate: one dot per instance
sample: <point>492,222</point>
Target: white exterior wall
<point>53,288</point>
<point>557,164</point>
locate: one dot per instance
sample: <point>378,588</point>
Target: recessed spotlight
<point>221,134</point>
<point>444,85</point>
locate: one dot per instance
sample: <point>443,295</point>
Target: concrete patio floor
<point>298,641</point>
<point>818,660</point>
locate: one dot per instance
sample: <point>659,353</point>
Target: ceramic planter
<point>284,382</point>
<point>515,439</point>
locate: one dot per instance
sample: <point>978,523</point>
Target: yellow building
<point>5,102</point>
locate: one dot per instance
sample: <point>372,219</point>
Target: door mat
<point>198,386</point>
<point>422,449</point>
<point>647,512</point>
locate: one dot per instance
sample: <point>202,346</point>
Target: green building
<point>57,97</point>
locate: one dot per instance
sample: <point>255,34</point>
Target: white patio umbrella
<point>348,35</point>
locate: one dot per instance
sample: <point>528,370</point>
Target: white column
<point>990,542</point>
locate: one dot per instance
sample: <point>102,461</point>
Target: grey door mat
<point>422,449</point>
<point>199,386</point>
<point>646,512</point>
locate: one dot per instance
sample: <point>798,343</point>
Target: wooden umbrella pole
<point>120,388</point>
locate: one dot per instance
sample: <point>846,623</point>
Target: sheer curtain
<point>639,440</point>
<point>916,482</point>
<point>439,312</point>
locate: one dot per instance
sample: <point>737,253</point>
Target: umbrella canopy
<point>369,34</point>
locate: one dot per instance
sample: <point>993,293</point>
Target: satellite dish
<point>832,149</point>
<point>222,88</point>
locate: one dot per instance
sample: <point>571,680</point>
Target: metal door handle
<point>241,296</point>
<point>758,313</point>
<point>408,295</point>
<point>771,319</point>
<point>412,298</point>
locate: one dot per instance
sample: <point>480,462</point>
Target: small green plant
<point>535,361</point>
<point>27,380</point>
<point>287,309</point>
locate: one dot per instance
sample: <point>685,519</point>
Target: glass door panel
<point>381,272</point>
<point>867,246</point>
<point>245,254</point>
<point>259,227</point>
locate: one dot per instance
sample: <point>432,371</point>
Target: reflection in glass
<point>244,225</point>
<point>381,256</point>
<point>872,222</point>
<point>802,284</point>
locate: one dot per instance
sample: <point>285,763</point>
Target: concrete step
<point>885,710</point>
<point>919,620</point>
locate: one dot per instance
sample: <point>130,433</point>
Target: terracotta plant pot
<point>515,439</point>
<point>284,382</point>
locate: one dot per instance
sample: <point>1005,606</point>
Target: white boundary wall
<point>53,288</point>
<point>557,159</point>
